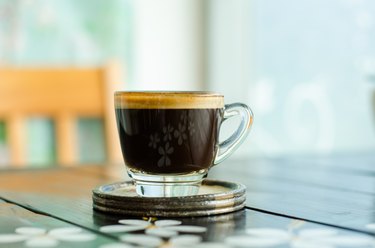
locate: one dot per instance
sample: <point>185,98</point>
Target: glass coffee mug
<point>170,140</point>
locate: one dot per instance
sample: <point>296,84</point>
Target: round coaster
<point>176,205</point>
<point>209,190</point>
<point>214,197</point>
<point>169,213</point>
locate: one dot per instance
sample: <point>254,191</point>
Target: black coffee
<point>168,141</point>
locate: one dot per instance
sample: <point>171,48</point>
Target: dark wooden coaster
<point>214,197</point>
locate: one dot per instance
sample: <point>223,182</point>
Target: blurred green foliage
<point>2,132</point>
<point>41,142</point>
<point>65,32</point>
<point>91,140</point>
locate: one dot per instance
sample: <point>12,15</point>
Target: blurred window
<point>305,67</point>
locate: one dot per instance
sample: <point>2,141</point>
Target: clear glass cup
<point>170,140</point>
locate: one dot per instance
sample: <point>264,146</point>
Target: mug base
<point>167,185</point>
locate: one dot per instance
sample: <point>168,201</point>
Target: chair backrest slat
<point>50,91</point>
<point>62,94</point>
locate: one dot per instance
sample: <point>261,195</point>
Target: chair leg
<point>16,132</point>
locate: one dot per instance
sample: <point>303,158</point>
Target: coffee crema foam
<point>168,100</point>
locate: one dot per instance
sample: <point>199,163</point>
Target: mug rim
<point>169,93</point>
<point>168,99</point>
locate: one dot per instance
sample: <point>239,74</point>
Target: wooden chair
<point>62,94</point>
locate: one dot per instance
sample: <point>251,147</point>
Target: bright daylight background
<point>306,67</point>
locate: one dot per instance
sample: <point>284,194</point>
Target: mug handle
<point>228,146</point>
